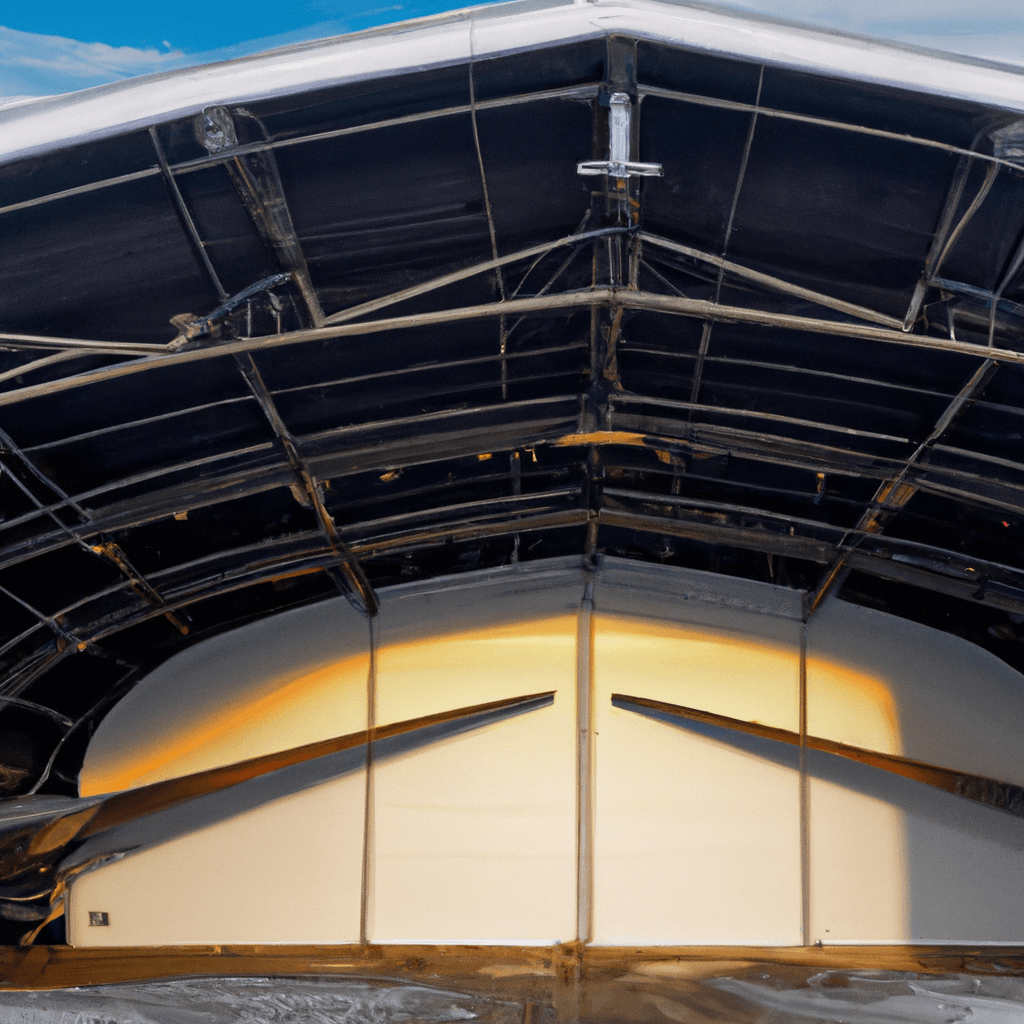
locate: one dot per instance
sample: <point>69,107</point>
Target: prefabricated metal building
<point>699,321</point>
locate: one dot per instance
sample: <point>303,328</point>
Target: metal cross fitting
<point>618,164</point>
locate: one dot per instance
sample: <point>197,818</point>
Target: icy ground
<point>749,995</point>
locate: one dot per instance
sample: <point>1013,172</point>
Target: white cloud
<point>852,13</point>
<point>992,29</point>
<point>38,65</point>
<point>32,64</point>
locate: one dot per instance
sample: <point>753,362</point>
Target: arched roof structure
<point>634,279</point>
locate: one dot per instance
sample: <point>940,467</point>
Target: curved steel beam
<point>821,122</point>
<point>582,92</point>
<point>377,446</point>
<point>565,302</point>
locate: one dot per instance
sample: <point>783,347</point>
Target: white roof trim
<point>57,121</point>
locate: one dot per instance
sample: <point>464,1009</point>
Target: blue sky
<point>49,46</point>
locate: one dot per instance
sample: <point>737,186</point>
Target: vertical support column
<point>516,474</point>
<point>368,818</point>
<point>615,261</point>
<point>585,762</point>
<point>805,794</point>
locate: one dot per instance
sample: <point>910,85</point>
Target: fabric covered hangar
<point>542,473</point>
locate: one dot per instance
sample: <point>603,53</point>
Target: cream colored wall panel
<point>289,871</point>
<point>894,860</point>
<point>858,869</point>
<point>474,837</point>
<point>497,599</point>
<point>286,681</point>
<point>474,667</point>
<point>965,863</point>
<point>881,682</point>
<point>696,842</point>
<point>722,604</point>
<point>697,829</point>
<point>249,864</point>
<point>727,673</point>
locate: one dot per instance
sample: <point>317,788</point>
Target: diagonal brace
<point>893,494</point>
<point>308,491</point>
<point>105,549</point>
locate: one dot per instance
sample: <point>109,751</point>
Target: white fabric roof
<point>449,38</point>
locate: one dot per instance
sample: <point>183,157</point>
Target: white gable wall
<point>697,833</point>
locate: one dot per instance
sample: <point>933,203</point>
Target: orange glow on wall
<point>699,833</point>
<point>716,670</point>
<point>284,716</point>
<point>850,706</point>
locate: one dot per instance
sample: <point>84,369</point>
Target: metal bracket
<point>257,181</point>
<point>1008,142</point>
<point>618,164</point>
<point>191,327</point>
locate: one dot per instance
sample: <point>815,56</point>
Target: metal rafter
<point>407,371</point>
<point>943,240</point>
<point>27,705</point>
<point>407,449</point>
<point>902,386</point>
<point>966,573</point>
<point>374,446</point>
<point>38,364</point>
<point>769,281</point>
<point>79,346</point>
<point>483,182</point>
<point>259,186</point>
<point>310,492</point>
<point>623,397</point>
<point>1016,262</point>
<point>562,303</point>
<point>20,676</point>
<point>140,478</point>
<point>107,549</point>
<point>615,135</point>
<point>257,181</point>
<point>51,623</point>
<point>894,493</point>
<point>822,122</point>
<point>185,217</point>
<point>496,263</point>
<point>249,450</point>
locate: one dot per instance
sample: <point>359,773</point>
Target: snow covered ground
<point>748,994</point>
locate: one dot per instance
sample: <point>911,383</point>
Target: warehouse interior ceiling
<point>601,296</point>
